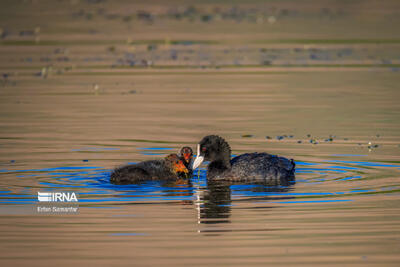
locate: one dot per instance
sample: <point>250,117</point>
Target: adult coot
<point>250,167</point>
<point>171,168</point>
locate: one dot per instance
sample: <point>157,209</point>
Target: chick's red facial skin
<point>187,154</point>
<point>187,157</point>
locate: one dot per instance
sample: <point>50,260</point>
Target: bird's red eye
<point>204,149</point>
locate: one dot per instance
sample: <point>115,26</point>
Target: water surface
<point>95,89</point>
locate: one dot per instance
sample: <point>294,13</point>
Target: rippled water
<point>343,206</point>
<point>350,178</point>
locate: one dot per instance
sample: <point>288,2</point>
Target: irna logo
<point>57,197</point>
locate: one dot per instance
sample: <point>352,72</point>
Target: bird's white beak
<point>198,160</point>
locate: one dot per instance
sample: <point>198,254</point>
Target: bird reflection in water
<point>214,202</point>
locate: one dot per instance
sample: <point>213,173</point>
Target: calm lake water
<point>95,89</point>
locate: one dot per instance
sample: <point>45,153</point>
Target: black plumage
<point>249,168</point>
<point>170,168</point>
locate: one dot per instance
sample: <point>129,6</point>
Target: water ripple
<point>93,186</point>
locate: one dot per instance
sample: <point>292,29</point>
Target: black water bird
<point>249,168</point>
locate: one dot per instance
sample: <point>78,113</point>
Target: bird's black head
<point>212,148</point>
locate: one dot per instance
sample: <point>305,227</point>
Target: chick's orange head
<point>187,153</point>
<point>176,164</point>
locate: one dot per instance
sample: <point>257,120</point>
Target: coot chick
<point>250,167</point>
<point>186,155</point>
<point>171,168</point>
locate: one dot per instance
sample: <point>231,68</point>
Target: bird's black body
<point>256,167</point>
<point>248,168</point>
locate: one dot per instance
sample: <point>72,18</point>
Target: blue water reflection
<point>93,186</point>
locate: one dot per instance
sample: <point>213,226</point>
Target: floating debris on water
<point>371,146</point>
<point>127,18</point>
<point>299,142</point>
<point>146,63</point>
<point>96,88</point>
<point>247,135</point>
<point>111,49</point>
<point>151,47</point>
<point>44,73</point>
<point>313,141</point>
<point>271,19</point>
<point>266,62</point>
<point>6,81</point>
<point>268,137</point>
